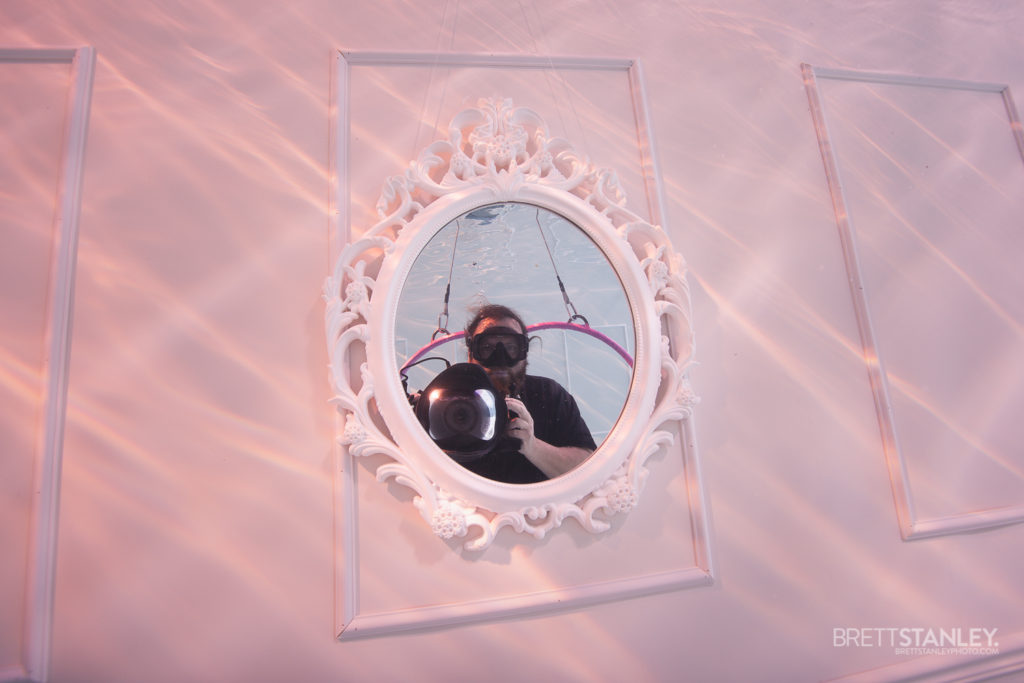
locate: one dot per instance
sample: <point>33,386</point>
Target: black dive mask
<point>499,347</point>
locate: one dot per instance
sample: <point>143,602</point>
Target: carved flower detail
<point>461,165</point>
<point>359,281</point>
<point>659,271</point>
<point>622,497</point>
<point>448,521</point>
<point>355,294</point>
<point>354,432</point>
<point>502,150</point>
<point>686,396</point>
<point>357,291</point>
<point>658,275</point>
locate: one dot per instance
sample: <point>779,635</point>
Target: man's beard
<point>508,380</point>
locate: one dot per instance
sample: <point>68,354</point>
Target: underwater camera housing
<point>463,412</point>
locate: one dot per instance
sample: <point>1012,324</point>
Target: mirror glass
<point>520,256</point>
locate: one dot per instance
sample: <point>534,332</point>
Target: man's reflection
<point>546,436</point>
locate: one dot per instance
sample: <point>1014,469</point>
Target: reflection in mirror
<point>523,257</point>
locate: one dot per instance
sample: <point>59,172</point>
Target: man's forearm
<point>555,461</point>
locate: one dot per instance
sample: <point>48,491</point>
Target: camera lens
<point>461,416</point>
<point>455,419</point>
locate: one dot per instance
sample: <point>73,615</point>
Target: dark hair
<point>491,312</point>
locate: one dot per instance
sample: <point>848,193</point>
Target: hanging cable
<point>570,309</point>
<point>442,319</point>
<point>444,29</point>
<point>567,94</point>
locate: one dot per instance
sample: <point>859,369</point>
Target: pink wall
<point>197,529</point>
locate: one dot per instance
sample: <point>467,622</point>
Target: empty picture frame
<point>926,177</point>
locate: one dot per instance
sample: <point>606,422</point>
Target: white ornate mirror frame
<point>499,153</point>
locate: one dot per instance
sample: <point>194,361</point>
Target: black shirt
<point>556,420</point>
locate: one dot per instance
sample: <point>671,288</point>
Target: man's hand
<point>553,461</point>
<point>521,427</point>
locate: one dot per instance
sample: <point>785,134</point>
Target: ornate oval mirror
<point>500,212</point>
